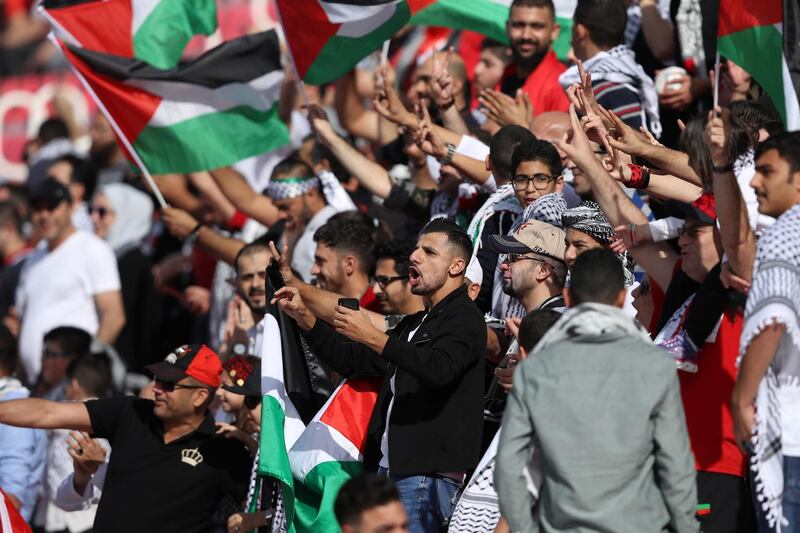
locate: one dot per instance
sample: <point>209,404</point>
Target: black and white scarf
<point>774,298</point>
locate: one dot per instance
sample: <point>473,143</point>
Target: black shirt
<point>151,486</point>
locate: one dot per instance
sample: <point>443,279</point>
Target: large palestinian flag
<point>155,31</point>
<point>205,114</point>
<point>763,38</point>
<point>327,38</point>
<point>329,452</point>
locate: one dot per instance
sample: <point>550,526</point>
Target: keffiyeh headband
<point>291,187</point>
<point>589,219</point>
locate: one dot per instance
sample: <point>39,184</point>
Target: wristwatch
<point>448,157</point>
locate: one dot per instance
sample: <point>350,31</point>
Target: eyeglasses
<point>383,281</point>
<point>513,258</point>
<point>540,181</point>
<point>101,211</point>
<point>170,386</point>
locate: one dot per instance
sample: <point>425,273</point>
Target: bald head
<point>550,125</point>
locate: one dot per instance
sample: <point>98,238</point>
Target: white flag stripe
<point>141,10</point>
<point>185,101</point>
<point>344,13</point>
<point>365,26</point>
<point>790,99</point>
<point>320,443</point>
<point>272,379</point>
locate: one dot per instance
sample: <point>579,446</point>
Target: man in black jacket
<point>425,431</point>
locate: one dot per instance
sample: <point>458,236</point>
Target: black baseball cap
<point>49,193</point>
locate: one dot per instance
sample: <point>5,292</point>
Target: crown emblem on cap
<point>191,456</point>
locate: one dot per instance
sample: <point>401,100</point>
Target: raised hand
<point>625,138</point>
<point>425,137</point>
<point>442,86</point>
<point>505,110</point>
<point>290,302</point>
<point>318,119</point>
<point>387,102</point>
<point>282,260</point>
<point>716,136</point>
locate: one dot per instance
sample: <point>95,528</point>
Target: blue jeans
<point>429,500</point>
<point>791,498</point>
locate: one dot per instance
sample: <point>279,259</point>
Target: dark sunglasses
<point>170,386</point>
<point>383,281</point>
<point>101,211</point>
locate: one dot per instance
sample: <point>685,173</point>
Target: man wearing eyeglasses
<point>169,469</point>
<point>391,280</point>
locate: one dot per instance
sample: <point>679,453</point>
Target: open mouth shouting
<point>413,276</point>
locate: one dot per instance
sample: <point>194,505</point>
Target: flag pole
<point>298,80</point>
<point>716,82</point>
<point>121,136</point>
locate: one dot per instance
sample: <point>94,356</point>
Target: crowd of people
<point>578,285</point>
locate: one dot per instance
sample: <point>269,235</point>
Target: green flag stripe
<point>340,54</point>
<point>274,459</point>
<point>315,497</point>
<point>759,51</point>
<point>164,34</point>
<point>211,141</point>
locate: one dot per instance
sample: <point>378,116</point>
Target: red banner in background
<point>26,101</point>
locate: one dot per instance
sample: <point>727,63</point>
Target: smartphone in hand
<point>350,303</point>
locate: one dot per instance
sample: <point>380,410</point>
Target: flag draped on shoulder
<point>155,31</point>
<point>329,452</point>
<point>208,113</point>
<point>762,38</point>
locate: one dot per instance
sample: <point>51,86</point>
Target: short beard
<point>508,289</point>
<point>529,63</point>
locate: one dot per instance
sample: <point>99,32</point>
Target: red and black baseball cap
<point>194,360</point>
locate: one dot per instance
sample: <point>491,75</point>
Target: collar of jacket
<point>455,293</point>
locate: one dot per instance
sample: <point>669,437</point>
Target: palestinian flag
<point>328,38</point>
<point>483,16</point>
<point>329,452</point>
<point>205,114</point>
<point>281,425</point>
<point>762,37</point>
<point>155,31</point>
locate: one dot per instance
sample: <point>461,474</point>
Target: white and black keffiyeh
<point>292,187</point>
<point>774,298</point>
<point>501,200</point>
<point>548,208</point>
<point>589,219</point>
<point>619,65</point>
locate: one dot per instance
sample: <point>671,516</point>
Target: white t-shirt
<point>57,288</point>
